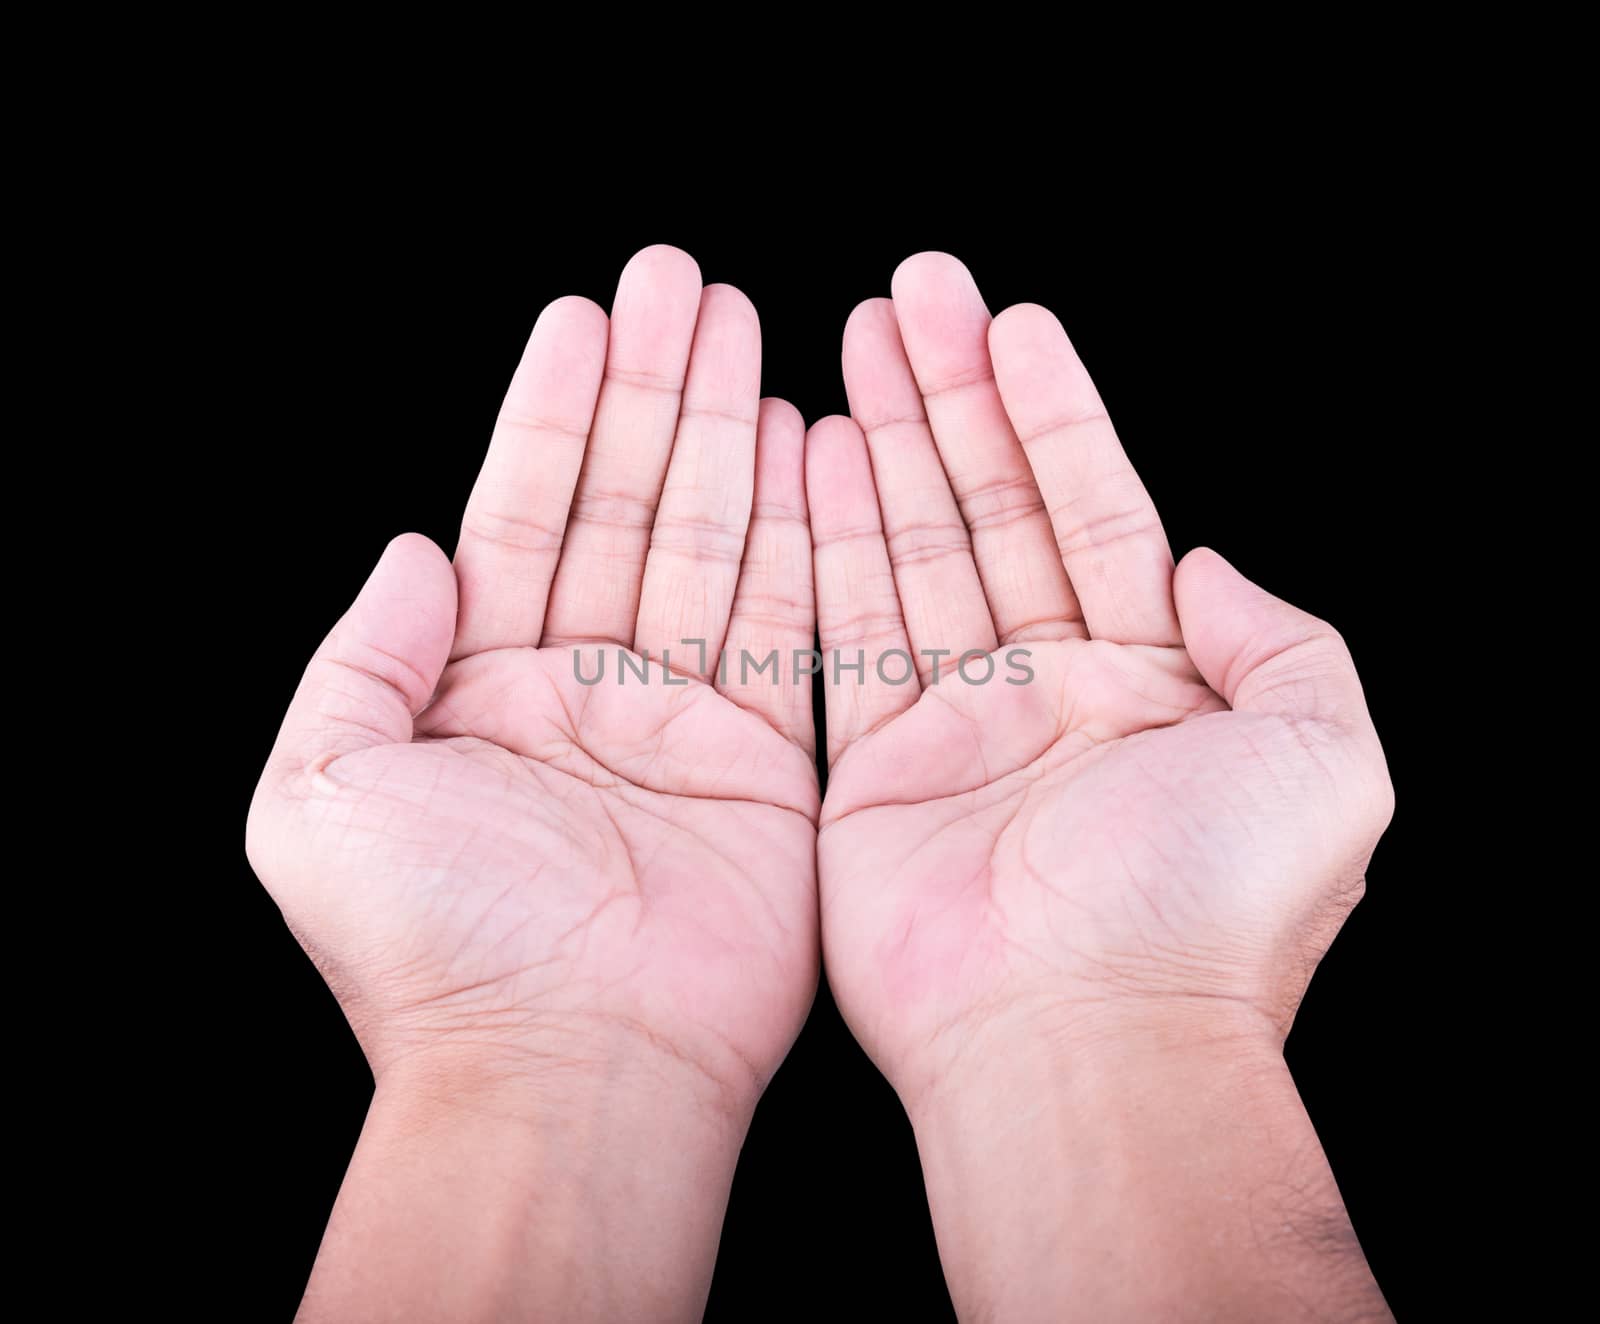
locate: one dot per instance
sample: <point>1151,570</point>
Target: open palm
<point>1152,814</point>
<point>485,855</point>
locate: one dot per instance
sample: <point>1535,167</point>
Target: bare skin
<point>1041,902</point>
<point>573,926</point>
<point>576,927</point>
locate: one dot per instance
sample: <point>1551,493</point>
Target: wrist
<point>1084,1051</point>
<point>577,1067</point>
<point>520,1185</point>
<point>608,1121</point>
<point>1141,1160</point>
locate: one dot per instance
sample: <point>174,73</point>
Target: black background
<point>1264,344</point>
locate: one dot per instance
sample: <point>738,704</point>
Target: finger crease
<point>853,535</point>
<point>725,415</point>
<point>1101,531</point>
<point>643,380</point>
<point>1064,425</point>
<point>960,382</point>
<point>516,533</point>
<point>524,423</point>
<point>909,420</point>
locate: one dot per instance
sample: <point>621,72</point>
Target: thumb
<point>379,665</point>
<point>1260,653</point>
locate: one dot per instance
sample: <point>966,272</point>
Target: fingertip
<point>567,344</point>
<point>943,322</point>
<point>572,313</point>
<point>871,347</point>
<point>837,470</point>
<point>878,379</point>
<point>408,608</point>
<point>833,434</point>
<point>780,458</point>
<point>1199,558</point>
<point>653,313</point>
<point>828,442</point>
<point>414,551</point>
<point>724,373</point>
<point>665,264</point>
<point>1198,576</point>
<point>927,272</point>
<point>781,419</point>
<point>728,301</point>
<point>413,564</point>
<point>868,321</point>
<point>1025,327</point>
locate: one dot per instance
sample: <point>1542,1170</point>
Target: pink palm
<point>1153,814</point>
<point>491,860</point>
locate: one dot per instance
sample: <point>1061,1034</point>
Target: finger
<point>596,590</point>
<point>699,535</point>
<point>1265,656</point>
<point>944,325</point>
<point>858,614</point>
<point>517,514</point>
<point>929,548</point>
<point>378,666</point>
<point>1260,653</point>
<point>1106,526</point>
<point>774,614</point>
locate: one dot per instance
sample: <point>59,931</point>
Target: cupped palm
<point>1151,814</point>
<point>498,863</point>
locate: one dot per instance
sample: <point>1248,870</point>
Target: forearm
<point>1157,1169</point>
<point>572,1199</point>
